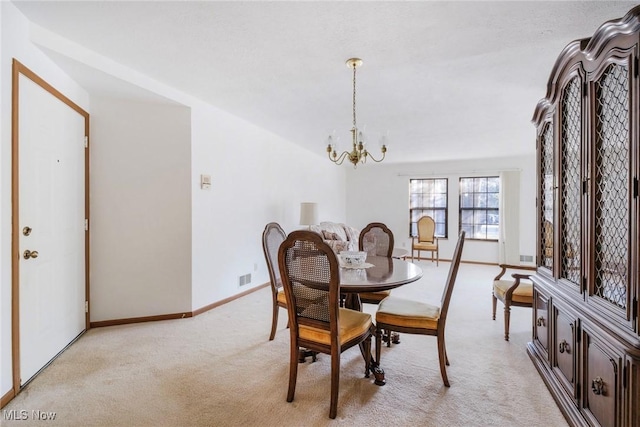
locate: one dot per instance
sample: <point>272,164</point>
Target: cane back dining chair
<point>311,279</point>
<point>426,239</point>
<point>272,236</point>
<point>376,240</point>
<point>515,292</point>
<point>414,317</point>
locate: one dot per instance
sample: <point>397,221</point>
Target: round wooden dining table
<point>381,274</point>
<point>378,274</point>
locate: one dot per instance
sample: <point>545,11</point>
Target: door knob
<point>30,254</point>
<point>26,230</point>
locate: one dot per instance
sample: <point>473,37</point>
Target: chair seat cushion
<point>374,296</point>
<point>425,246</point>
<point>352,324</point>
<point>408,313</point>
<point>523,293</point>
<point>281,298</point>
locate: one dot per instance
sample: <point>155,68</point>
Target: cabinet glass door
<point>546,198</point>
<point>611,185</point>
<point>571,190</point>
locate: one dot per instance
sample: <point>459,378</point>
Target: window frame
<point>461,209</point>
<point>431,207</point>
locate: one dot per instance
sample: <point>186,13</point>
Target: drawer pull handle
<point>564,346</point>
<point>540,321</point>
<point>597,386</point>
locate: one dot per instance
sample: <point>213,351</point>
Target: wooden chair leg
<point>274,322</point>
<point>367,358</point>
<point>335,382</point>
<point>378,344</point>
<point>507,316</point>
<point>495,305</point>
<point>442,356</point>
<point>444,346</point>
<point>293,371</point>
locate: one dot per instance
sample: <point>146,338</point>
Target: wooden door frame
<point>17,69</point>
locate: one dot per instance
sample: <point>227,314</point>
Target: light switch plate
<point>205,182</point>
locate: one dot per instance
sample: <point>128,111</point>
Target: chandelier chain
<point>354,96</point>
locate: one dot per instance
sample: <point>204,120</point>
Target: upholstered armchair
<point>517,292</point>
<point>426,239</point>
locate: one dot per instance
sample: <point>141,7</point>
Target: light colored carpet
<point>219,369</point>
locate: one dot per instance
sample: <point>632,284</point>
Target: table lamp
<point>308,214</point>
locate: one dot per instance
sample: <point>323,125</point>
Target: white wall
<point>160,243</point>
<point>381,193</point>
<point>14,38</point>
<point>140,209</point>
<point>5,294</point>
<point>257,178</point>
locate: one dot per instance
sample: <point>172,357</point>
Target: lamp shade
<point>308,213</point>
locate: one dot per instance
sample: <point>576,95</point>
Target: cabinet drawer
<point>541,321</point>
<point>601,382</point>
<point>564,350</point>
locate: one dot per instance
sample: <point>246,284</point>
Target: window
<point>428,197</point>
<point>479,207</point>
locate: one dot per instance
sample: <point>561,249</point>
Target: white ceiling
<point>446,80</point>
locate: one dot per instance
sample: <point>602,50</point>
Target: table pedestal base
<point>395,338</point>
<point>304,353</point>
<point>378,374</point>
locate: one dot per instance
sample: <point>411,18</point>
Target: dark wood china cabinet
<point>586,339</point>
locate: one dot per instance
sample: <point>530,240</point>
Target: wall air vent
<point>244,280</point>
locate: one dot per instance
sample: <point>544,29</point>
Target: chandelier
<point>358,153</point>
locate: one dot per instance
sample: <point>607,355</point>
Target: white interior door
<point>52,290</point>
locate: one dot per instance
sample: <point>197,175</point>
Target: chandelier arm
<point>374,159</point>
<point>338,160</point>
